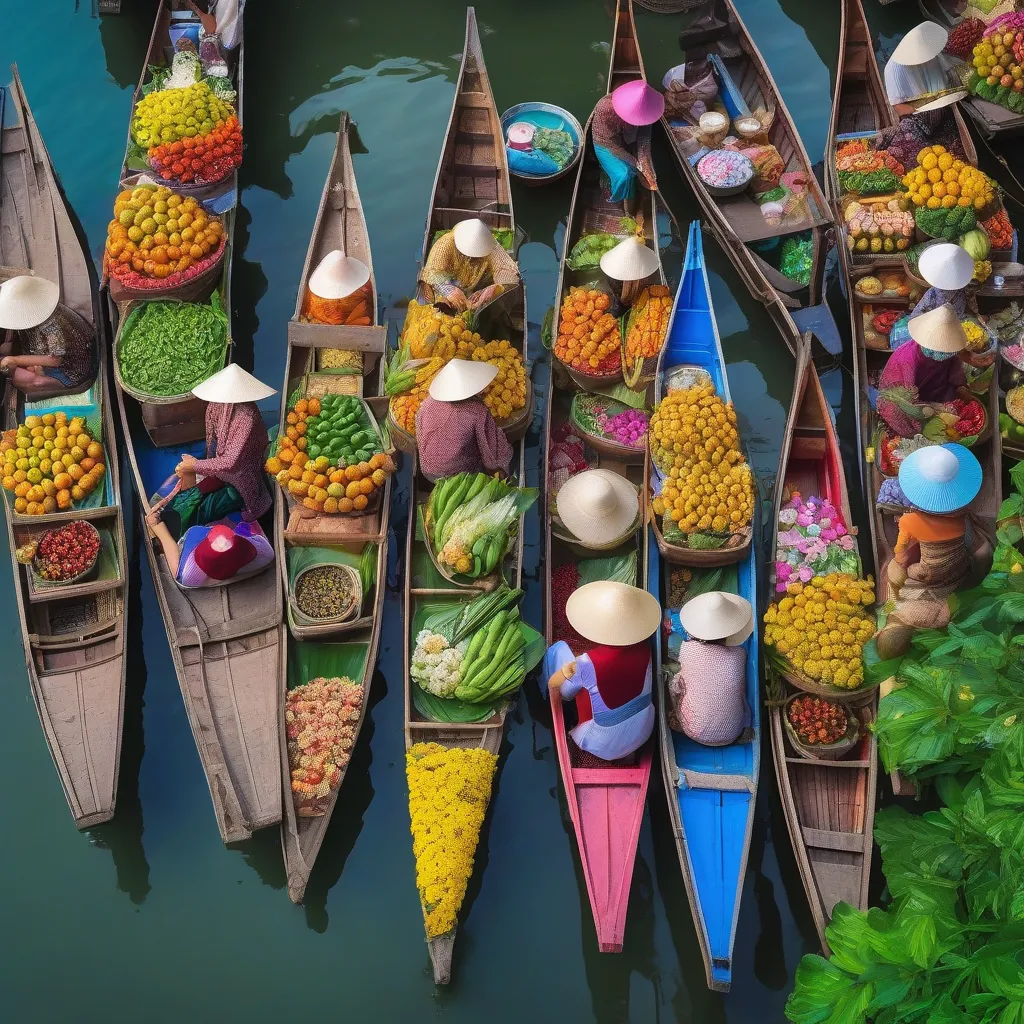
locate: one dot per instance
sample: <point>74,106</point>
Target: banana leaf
<point>617,568</point>
<point>446,709</point>
<point>307,660</point>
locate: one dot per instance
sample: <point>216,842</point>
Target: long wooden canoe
<point>606,800</point>
<point>860,108</point>
<point>472,180</point>
<point>227,642</point>
<point>73,635</point>
<point>711,790</point>
<point>349,650</point>
<point>829,805</point>
<point>717,31</point>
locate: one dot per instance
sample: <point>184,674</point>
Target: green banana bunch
<point>452,492</point>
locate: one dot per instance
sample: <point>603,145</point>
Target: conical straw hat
<point>637,103</point>
<point>921,44</point>
<point>942,101</point>
<point>26,302</point>
<point>946,265</point>
<point>473,238</point>
<point>337,276</point>
<point>231,386</point>
<point>630,260</point>
<point>611,613</point>
<point>940,478</point>
<point>460,379</point>
<point>939,329</point>
<point>718,616</point>
<point>598,506</point>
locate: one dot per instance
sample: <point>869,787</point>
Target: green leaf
<point>826,994</point>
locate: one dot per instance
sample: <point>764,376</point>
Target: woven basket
<point>604,446</point>
<point>401,438</point>
<point>823,752</point>
<point>87,574</point>
<point>193,290</point>
<point>351,611</point>
<point>862,695</point>
<point>573,543</point>
<point>736,549</point>
<point>591,381</point>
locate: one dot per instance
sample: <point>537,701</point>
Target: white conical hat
<point>231,386</point>
<point>921,44</point>
<point>718,616</point>
<point>598,506</point>
<point>630,260</point>
<point>473,238</point>
<point>460,379</point>
<point>942,101</point>
<point>613,613</point>
<point>946,265</point>
<point>26,302</point>
<point>337,276</point>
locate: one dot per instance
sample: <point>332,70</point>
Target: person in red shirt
<point>455,431</point>
<point>611,683</point>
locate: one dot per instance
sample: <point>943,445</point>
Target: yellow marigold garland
<point>821,628</point>
<point>448,795</point>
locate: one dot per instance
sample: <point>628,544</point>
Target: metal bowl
<point>569,124</point>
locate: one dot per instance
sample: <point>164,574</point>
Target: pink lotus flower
<point>806,574</point>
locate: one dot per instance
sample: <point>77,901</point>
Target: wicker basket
<point>828,751</point>
<point>41,582</point>
<point>735,550</point>
<point>194,290</point>
<point>591,381</point>
<point>862,695</point>
<point>606,447</point>
<point>573,543</point>
<point>350,612</point>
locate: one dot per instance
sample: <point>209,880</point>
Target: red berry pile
<point>203,160</point>
<point>963,38</point>
<point>565,580</point>
<point>972,417</point>
<point>67,552</point>
<point>817,721</point>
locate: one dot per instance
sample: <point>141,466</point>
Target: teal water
<point>150,917</point>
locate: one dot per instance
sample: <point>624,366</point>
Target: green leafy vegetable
<point>167,348</point>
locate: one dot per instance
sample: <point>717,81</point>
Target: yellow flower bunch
<point>941,180</point>
<point>821,628</point>
<point>448,795</point>
<point>694,441</point>
<point>429,332</point>
<point>976,337</point>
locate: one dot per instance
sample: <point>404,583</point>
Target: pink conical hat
<point>637,103</point>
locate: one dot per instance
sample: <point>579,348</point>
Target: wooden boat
<point>472,181</point>
<point>716,31</point>
<point>73,634</point>
<point>606,799</point>
<point>227,642</point>
<point>859,108</point>
<point>711,790</point>
<point>829,804</point>
<point>350,649</point>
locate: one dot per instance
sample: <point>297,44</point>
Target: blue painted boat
<point>710,790</point>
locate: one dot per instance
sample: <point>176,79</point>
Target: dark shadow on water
<point>347,821</point>
<point>262,853</point>
<point>125,40</point>
<point>248,285</point>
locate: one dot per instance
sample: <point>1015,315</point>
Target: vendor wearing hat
<point>599,508</point>
<point>930,559</point>
<point>631,262</point>
<point>611,683</point>
<point>709,693</point>
<point>948,268</point>
<point>455,431</point>
<point>334,290</point>
<point>47,346</point>
<point>467,268</point>
<point>230,478</point>
<point>622,137</point>
<point>918,75</point>
<point>927,373</point>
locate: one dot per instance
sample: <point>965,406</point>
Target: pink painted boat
<point>606,803</point>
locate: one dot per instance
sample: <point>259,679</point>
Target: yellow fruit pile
<point>995,60</point>
<point>506,394</point>
<point>322,487</point>
<point>428,332</point>
<point>158,233</point>
<point>708,486</point>
<point>50,463</point>
<point>173,114</point>
<point>821,628</point>
<point>941,181</point>
<point>648,322</point>
<point>403,408</point>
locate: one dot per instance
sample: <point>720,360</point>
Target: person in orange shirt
<point>930,559</point>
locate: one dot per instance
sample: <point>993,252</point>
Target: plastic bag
<point>768,167</point>
<point>690,89</point>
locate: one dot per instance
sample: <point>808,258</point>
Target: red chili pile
<point>972,417</point>
<point>963,38</point>
<point>67,552</point>
<point>816,721</point>
<point>883,322</point>
<point>204,160</point>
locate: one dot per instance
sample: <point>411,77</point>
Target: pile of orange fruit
<point>322,487</point>
<point>50,463</point>
<point>404,407</point>
<point>156,233</point>
<point>588,335</point>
